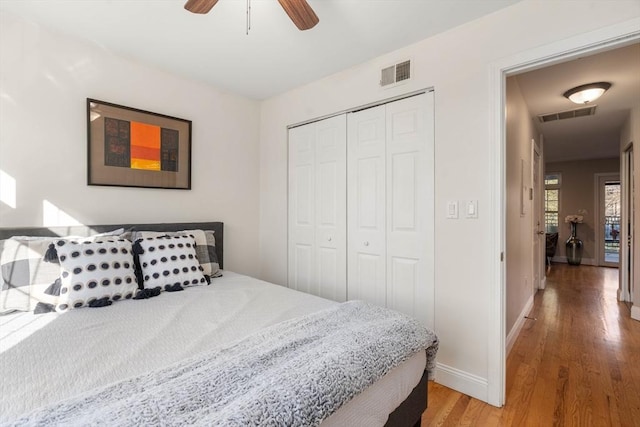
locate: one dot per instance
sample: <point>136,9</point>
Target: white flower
<point>574,218</point>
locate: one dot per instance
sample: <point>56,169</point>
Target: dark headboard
<point>88,230</point>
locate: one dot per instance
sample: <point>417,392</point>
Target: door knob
<point>366,243</point>
<point>328,239</point>
<point>540,232</point>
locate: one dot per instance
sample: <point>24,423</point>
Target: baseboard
<point>635,312</point>
<point>464,382</point>
<point>563,260</point>
<point>517,327</point>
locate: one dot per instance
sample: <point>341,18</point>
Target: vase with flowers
<point>574,245</point>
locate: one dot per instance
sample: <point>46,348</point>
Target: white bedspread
<point>46,358</point>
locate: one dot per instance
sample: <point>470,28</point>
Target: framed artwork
<point>128,147</point>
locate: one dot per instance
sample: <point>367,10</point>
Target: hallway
<point>576,365</point>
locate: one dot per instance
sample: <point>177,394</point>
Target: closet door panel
<point>405,281</point>
<point>301,270</point>
<point>303,192</point>
<point>403,191</point>
<point>369,197</point>
<point>302,211</point>
<point>409,183</point>
<point>331,206</point>
<point>367,278</point>
<point>366,165</point>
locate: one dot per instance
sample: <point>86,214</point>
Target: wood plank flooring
<point>578,364</point>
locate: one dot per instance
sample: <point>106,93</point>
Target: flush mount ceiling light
<point>586,93</point>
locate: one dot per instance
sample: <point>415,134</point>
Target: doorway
<point>579,47</point>
<point>608,225</point>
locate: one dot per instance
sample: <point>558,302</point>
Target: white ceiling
<point>274,57</point>
<point>590,137</point>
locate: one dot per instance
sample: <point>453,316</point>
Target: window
<point>551,201</point>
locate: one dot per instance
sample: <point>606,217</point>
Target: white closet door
<point>302,211</point>
<point>317,208</point>
<point>366,250</point>
<point>331,207</point>
<point>409,204</point>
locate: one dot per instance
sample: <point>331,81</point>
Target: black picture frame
<point>129,147</point>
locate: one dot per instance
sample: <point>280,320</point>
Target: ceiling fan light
<point>587,93</point>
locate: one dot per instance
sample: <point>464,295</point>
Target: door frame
<point>598,210</point>
<point>538,215</point>
<point>625,293</point>
<point>603,39</point>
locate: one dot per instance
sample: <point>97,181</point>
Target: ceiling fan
<point>298,10</point>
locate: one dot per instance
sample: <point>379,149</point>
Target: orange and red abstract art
<point>139,145</point>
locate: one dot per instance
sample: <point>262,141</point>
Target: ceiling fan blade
<point>300,13</point>
<point>199,6</point>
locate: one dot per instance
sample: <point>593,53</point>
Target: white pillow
<point>169,262</point>
<point>27,280</point>
<point>95,274</point>
<point>205,247</point>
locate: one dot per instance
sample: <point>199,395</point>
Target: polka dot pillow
<point>169,262</point>
<point>95,274</point>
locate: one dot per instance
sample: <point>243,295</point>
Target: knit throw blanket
<point>295,373</point>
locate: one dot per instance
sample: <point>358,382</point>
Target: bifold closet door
<point>390,220</point>
<point>317,208</point>
<point>409,204</point>
<point>366,212</point>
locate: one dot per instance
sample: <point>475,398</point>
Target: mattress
<point>49,357</point>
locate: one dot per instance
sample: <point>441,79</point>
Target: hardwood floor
<point>578,364</point>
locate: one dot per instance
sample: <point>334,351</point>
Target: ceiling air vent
<point>570,114</point>
<point>395,73</point>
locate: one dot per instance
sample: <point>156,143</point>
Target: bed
<point>80,357</point>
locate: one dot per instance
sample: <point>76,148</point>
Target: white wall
<point>631,133</point>
<point>635,137</point>
<point>45,78</point>
<point>458,64</point>
<point>519,249</point>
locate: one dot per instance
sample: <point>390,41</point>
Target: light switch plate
<point>452,209</point>
<point>472,209</point>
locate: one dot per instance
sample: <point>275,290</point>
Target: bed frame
<point>408,414</point>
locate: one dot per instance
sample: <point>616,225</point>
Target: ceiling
<point>591,137</point>
<point>274,57</point>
